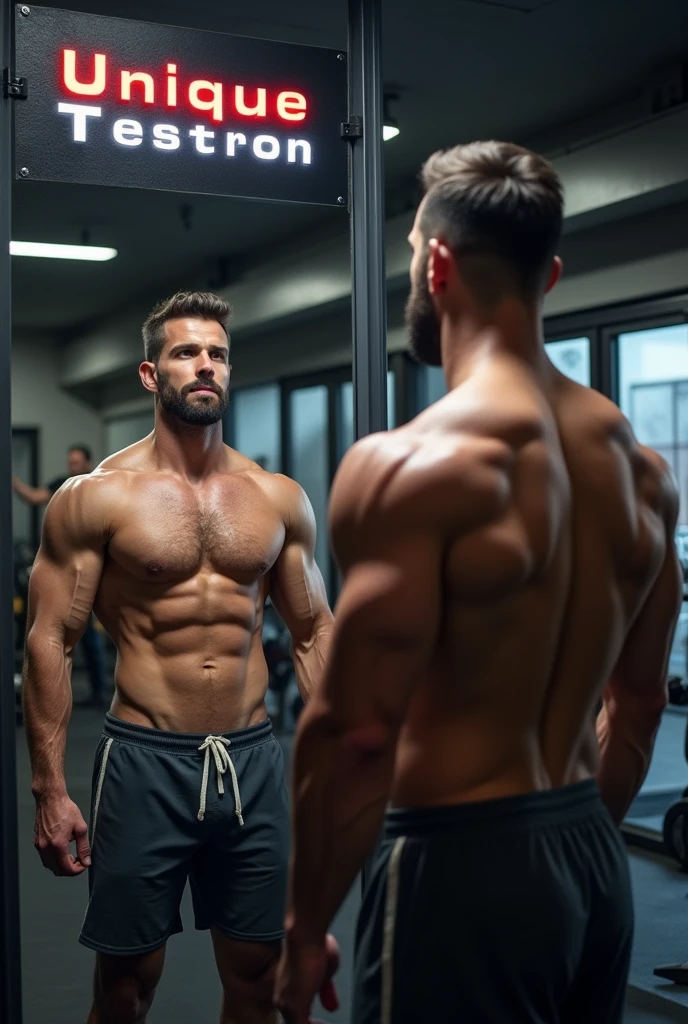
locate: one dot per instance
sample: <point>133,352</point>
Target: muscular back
<point>542,526</point>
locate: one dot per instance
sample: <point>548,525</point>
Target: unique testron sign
<point>113,102</point>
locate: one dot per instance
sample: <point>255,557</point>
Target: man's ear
<point>149,377</point>
<point>440,261</point>
<point>555,273</point>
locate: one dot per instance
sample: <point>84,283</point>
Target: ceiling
<point>514,69</point>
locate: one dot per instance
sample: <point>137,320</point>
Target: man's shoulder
<point>417,475</point>
<point>87,494</point>
<point>286,498</point>
<point>604,420</point>
<point>658,483</point>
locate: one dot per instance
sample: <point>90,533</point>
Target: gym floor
<point>57,970</point>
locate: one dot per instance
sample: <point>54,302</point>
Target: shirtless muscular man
<point>177,542</point>
<point>508,560</point>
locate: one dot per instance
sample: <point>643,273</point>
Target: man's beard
<point>422,324</point>
<point>202,412</point>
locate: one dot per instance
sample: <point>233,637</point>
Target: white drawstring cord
<point>218,745</point>
<point>99,788</point>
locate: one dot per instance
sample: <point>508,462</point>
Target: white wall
<point>38,401</point>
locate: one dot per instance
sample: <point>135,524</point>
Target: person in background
<point>79,461</point>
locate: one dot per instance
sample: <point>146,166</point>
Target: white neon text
<point>131,133</point>
<point>165,136</point>
<point>259,144</point>
<point>127,133</point>
<point>200,134</point>
<point>79,114</point>
<point>305,147</point>
<point>234,139</point>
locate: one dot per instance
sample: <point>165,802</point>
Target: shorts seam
<point>100,947</point>
<point>233,933</point>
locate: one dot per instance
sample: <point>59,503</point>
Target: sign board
<point>128,103</point>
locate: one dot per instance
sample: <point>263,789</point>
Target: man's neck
<point>191,450</point>
<point>511,329</point>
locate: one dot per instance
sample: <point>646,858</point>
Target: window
<point>431,385</point>
<point>653,393</point>
<point>309,459</point>
<point>346,433</point>
<point>572,358</point>
<point>257,428</point>
<point>127,430</point>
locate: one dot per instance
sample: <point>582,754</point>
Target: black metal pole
<point>369,286</point>
<point>10,963</point>
<point>367,198</point>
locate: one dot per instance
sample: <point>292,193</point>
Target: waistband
<point>182,742</point>
<point>552,806</point>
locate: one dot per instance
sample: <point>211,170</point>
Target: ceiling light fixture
<point>49,250</point>
<point>390,125</point>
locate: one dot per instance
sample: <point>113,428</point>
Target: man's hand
<point>59,823</point>
<point>304,971</point>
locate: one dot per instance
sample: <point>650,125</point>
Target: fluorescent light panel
<point>48,250</point>
<point>389,131</point>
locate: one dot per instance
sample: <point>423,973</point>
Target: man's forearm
<point>47,700</point>
<point>626,739</point>
<point>341,788</point>
<point>310,658</point>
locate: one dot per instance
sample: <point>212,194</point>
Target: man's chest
<point>172,532</point>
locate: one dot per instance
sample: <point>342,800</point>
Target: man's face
<point>77,463</point>
<point>422,323</point>
<point>193,371</point>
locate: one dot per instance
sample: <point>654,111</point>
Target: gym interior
<point>600,87</point>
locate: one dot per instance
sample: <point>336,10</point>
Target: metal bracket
<point>352,129</point>
<point>14,87</point>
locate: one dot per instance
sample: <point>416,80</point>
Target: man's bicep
<point>297,586</point>
<point>641,671</point>
<point>66,574</point>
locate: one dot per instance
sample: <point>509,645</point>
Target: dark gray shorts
<point>515,910</point>
<point>147,837</point>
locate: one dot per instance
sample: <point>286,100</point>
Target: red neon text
<point>92,76</point>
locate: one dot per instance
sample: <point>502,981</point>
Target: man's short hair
<point>499,206</point>
<point>86,452</point>
<point>199,305</point>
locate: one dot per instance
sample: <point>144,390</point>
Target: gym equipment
<point>678,690</point>
<point>678,973</point>
<point>675,832</point>
<point>675,827</point>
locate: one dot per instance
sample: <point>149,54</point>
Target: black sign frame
<point>140,105</point>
